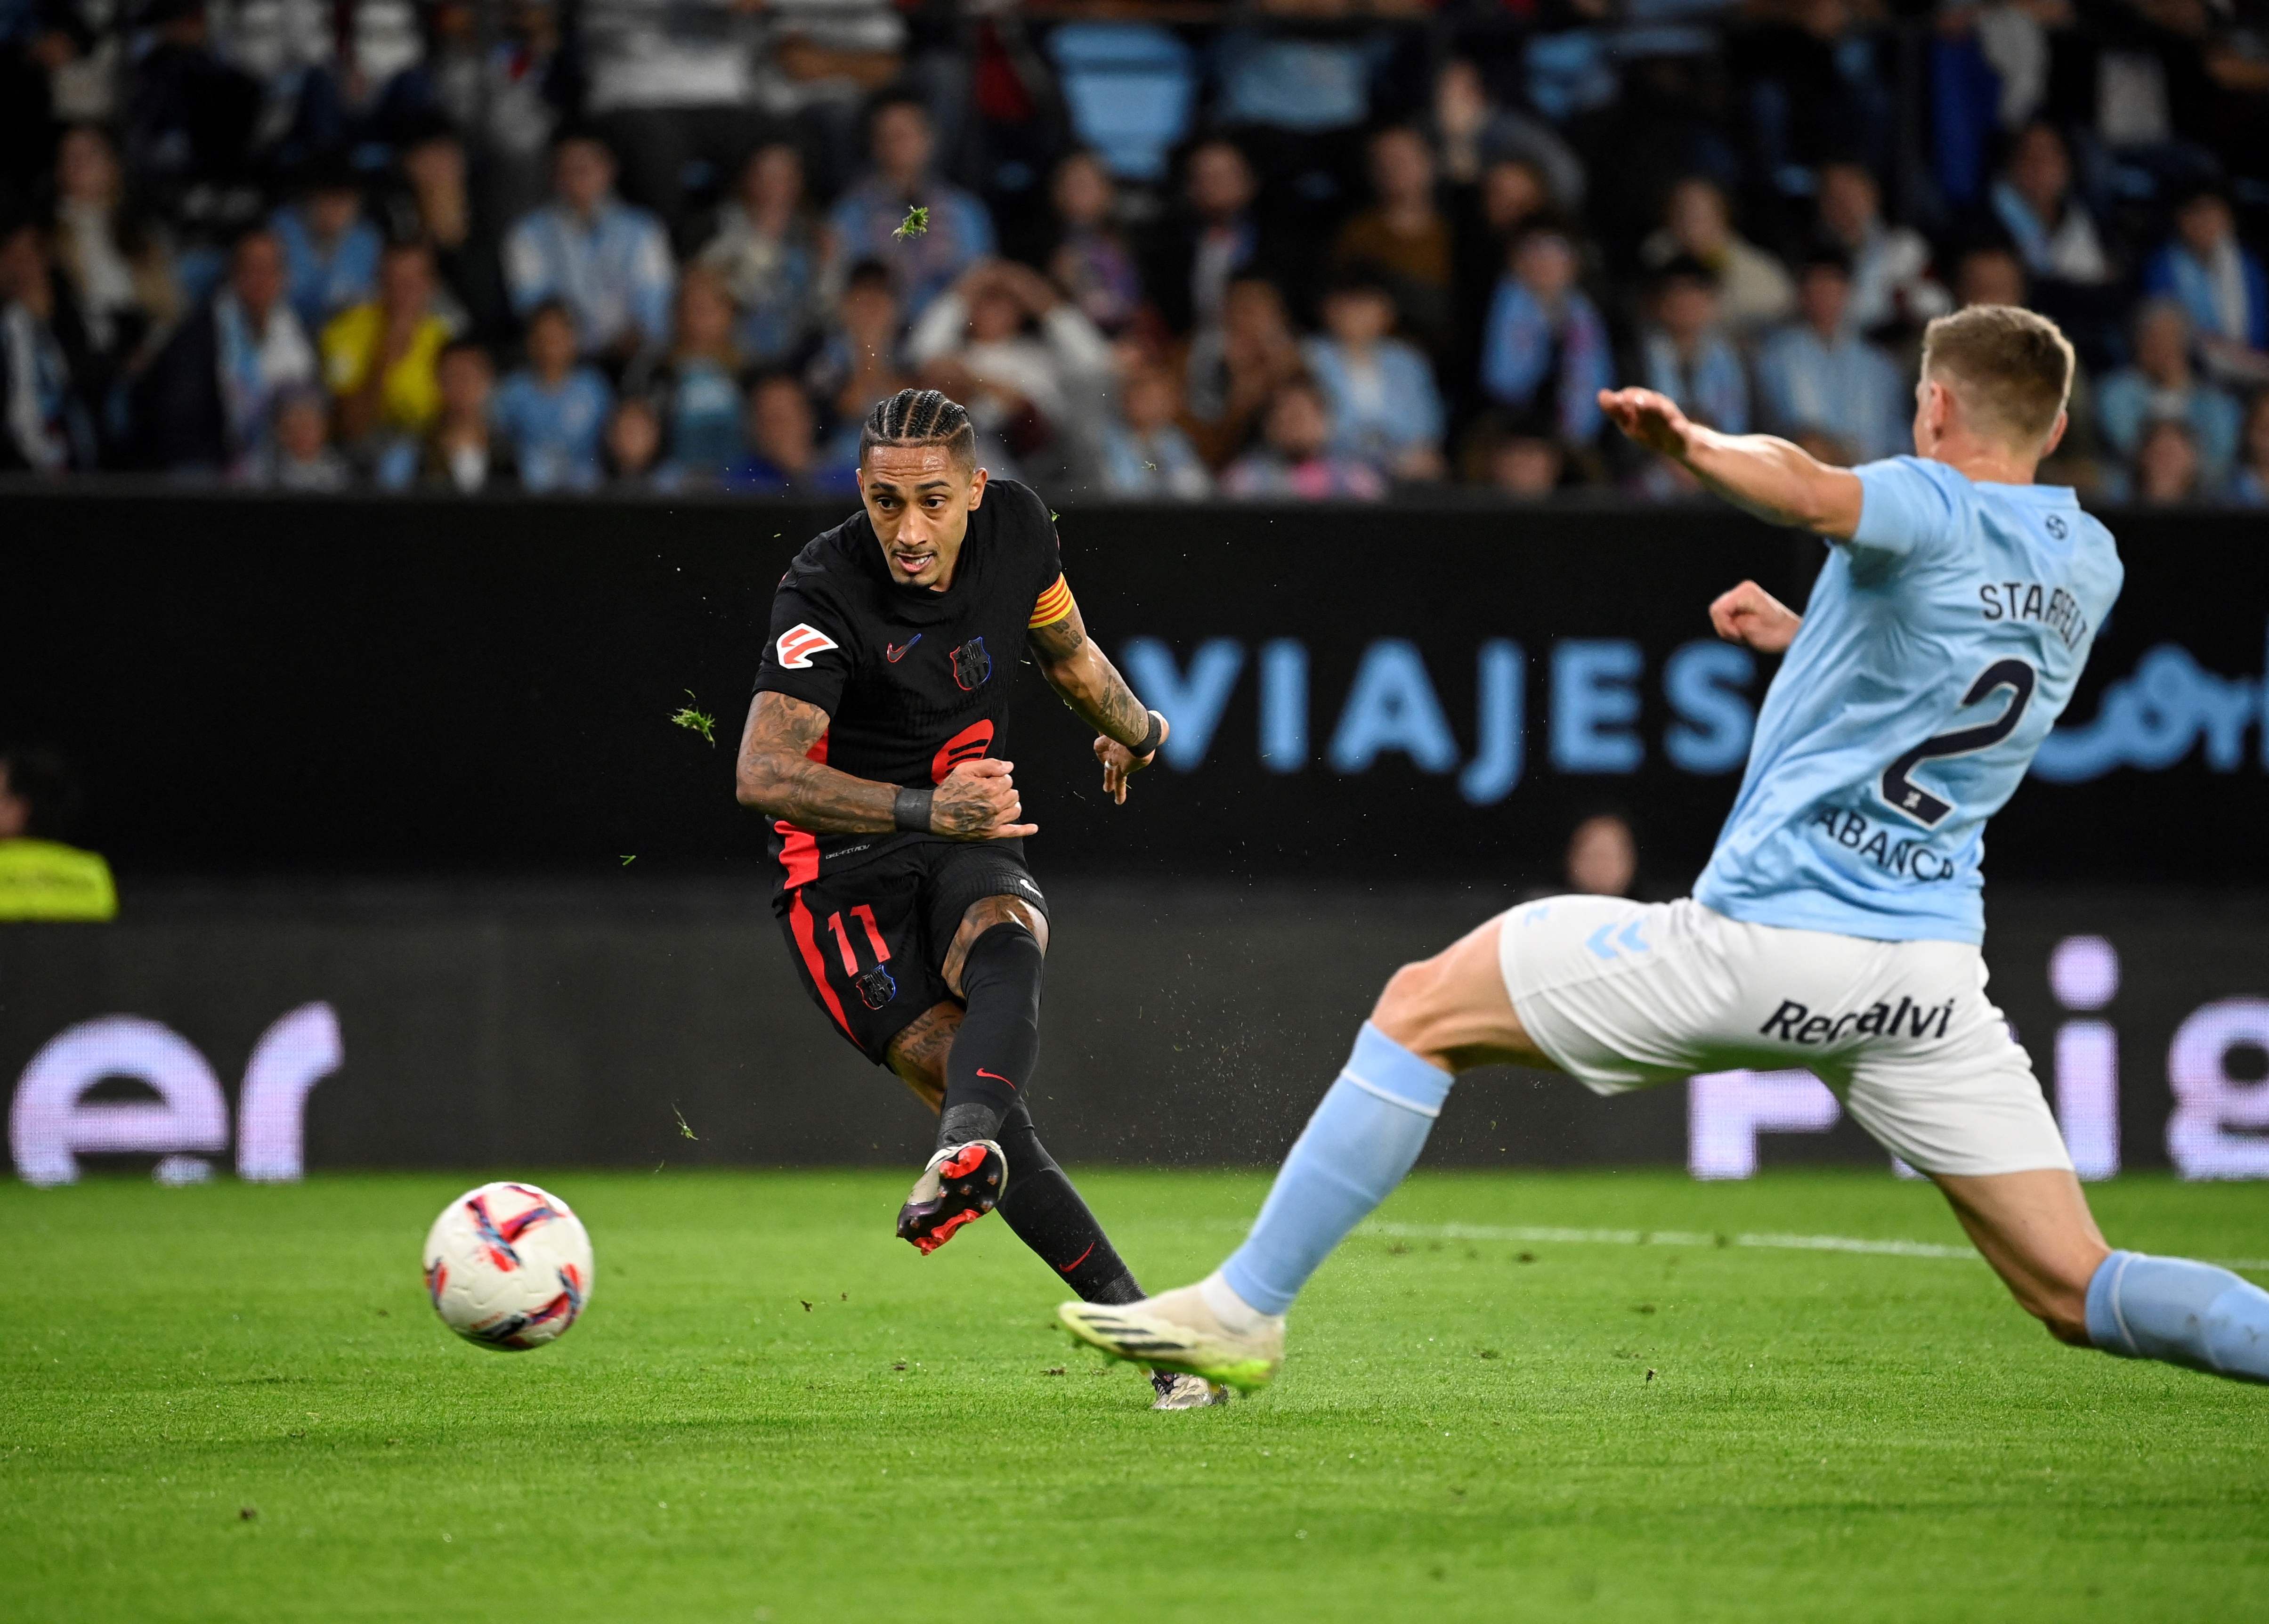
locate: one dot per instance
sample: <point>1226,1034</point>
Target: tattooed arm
<point>776,776</point>
<point>1082,674</point>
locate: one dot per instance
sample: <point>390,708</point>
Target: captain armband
<point>1052,605</point>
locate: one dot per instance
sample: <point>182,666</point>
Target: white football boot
<point>1179,1331</point>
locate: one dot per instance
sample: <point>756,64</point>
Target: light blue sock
<point>1371,1126</point>
<point>2141,1307</point>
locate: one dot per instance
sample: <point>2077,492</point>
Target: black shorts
<point>870,943</point>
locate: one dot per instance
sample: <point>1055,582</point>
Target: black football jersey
<point>914,681</point>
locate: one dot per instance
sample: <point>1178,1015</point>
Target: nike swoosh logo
<point>895,654</point>
<point>1076,1262</point>
<point>996,1076</point>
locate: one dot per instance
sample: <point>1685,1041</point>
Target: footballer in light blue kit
<point>1838,924</point>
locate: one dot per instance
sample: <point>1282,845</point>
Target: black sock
<point>1049,1216</point>
<point>999,1042</point>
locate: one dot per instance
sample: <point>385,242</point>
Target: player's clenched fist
<point>977,801</point>
<point>1750,615</point>
<point>1653,420</point>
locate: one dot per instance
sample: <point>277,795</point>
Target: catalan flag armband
<point>1052,605</point>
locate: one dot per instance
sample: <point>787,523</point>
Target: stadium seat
<point>1130,87</point>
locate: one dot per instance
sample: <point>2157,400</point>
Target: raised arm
<point>776,776</point>
<point>1078,669</point>
<point>1779,482</point>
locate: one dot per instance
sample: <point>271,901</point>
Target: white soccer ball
<point>508,1266</point>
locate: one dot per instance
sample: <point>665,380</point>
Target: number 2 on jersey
<point>1900,790</point>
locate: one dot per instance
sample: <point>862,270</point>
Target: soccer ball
<point>509,1266</point>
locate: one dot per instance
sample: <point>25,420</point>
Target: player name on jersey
<point>2030,599</point>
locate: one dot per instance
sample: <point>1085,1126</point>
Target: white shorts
<point>1624,994</point>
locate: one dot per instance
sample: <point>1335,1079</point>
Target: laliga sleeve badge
<point>972,667</point>
<point>798,644</point>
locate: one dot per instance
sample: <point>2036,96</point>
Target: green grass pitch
<point>774,1410</point>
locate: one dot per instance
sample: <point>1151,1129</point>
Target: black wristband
<point>1148,745</point>
<point>911,810</point>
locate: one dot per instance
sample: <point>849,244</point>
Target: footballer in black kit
<point>877,750</point>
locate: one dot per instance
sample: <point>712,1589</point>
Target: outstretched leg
<point>1444,1015</point>
<point>2035,1229</point>
<point>943,1048</point>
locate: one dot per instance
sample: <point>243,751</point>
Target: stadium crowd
<point>1164,248</point>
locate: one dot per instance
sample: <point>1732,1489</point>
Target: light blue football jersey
<point>1940,644</point>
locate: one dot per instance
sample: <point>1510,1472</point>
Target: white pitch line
<point>1536,1233</point>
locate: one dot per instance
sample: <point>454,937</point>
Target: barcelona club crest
<point>972,667</point>
<point>876,987</point>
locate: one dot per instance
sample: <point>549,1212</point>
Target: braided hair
<point>920,417</point>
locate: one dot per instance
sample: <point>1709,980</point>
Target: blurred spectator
<point>45,363</point>
<point>1145,455</point>
<point>1090,260</point>
<point>1236,368</point>
<point>2219,283</point>
<point>41,877</point>
<point>330,252</point>
<point>1753,292</point>
<point>1511,196</point>
<point>206,402</point>
<point>1295,459</point>
<point>696,391</point>
<point>1526,466</point>
<point>1218,241</point>
<point>783,457</point>
<point>1684,354</point>
<point>2053,234</point>
<point>2167,467</point>
<point>1546,349</point>
<point>119,266</point>
<point>1812,83</point>
<point>606,262</point>
<point>1403,234</point>
<point>365,88</point>
<point>2162,385</point>
<point>1028,390</point>
<point>1385,408</point>
<point>1989,274</point>
<point>866,220</point>
<point>858,363</point>
<point>1471,133</point>
<point>820,60</point>
<point>438,210</point>
<point>2250,484</point>
<point>81,47</point>
<point>1891,284</point>
<point>462,455</point>
<point>1818,378</point>
<point>379,357</point>
<point>633,449</point>
<point>190,120</point>
<point>495,62</point>
<point>1602,858</point>
<point>552,411</point>
<point>767,252</point>
<point>671,82</point>
<point>298,456</point>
